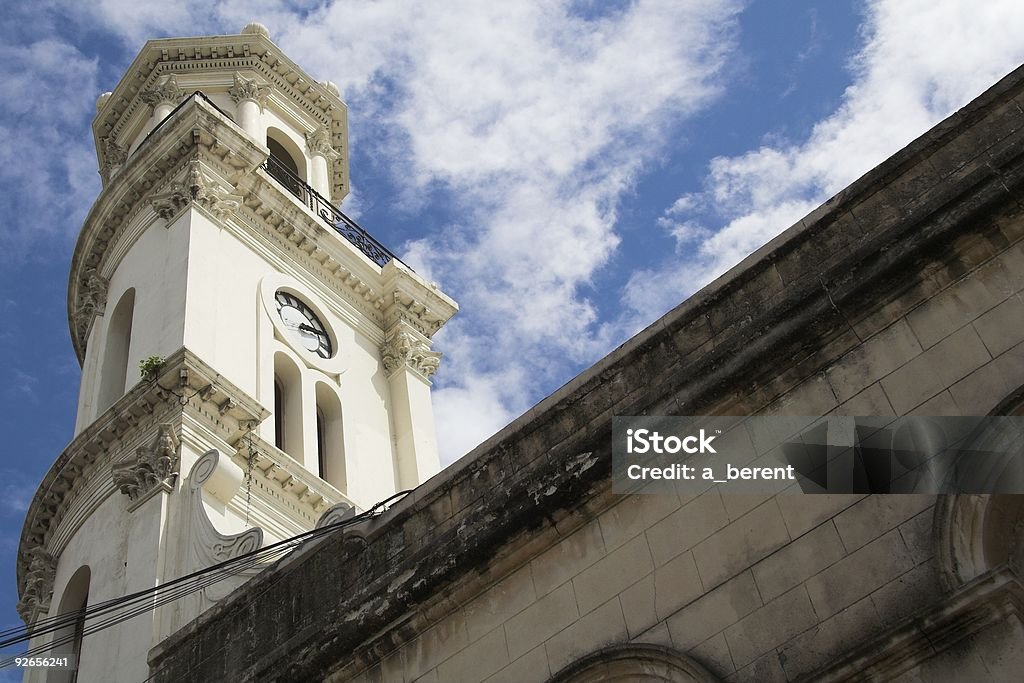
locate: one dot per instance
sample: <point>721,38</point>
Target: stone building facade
<point>899,296</point>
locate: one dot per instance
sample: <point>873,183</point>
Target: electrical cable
<point>119,610</point>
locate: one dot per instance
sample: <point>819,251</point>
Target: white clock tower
<point>285,353</point>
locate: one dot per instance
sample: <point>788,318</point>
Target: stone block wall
<point>901,295</point>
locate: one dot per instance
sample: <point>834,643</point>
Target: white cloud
<point>535,121</point>
<point>47,165</point>
<point>920,60</point>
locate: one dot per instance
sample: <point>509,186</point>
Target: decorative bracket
<point>91,303</point>
<point>207,546</point>
<point>197,187</point>
<point>153,470</point>
<point>114,156</point>
<point>35,599</point>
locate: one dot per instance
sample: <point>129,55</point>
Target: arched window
<point>68,640</point>
<point>638,662</point>
<point>330,437</point>
<point>288,430</point>
<point>278,414</point>
<point>287,163</point>
<point>114,371</point>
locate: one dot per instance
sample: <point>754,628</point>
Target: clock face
<point>301,323</point>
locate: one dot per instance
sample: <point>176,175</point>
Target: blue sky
<point>567,171</point>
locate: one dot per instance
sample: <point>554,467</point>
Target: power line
<point>119,610</point>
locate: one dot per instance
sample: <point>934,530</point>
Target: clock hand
<point>308,328</point>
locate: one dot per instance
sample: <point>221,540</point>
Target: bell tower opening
<point>115,355</point>
<point>286,163</point>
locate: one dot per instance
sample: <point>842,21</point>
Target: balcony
<point>328,213</point>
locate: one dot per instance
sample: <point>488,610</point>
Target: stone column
<point>163,97</point>
<point>322,153</point>
<point>249,97</point>
<point>409,364</point>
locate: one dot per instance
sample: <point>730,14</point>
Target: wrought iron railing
<point>328,213</point>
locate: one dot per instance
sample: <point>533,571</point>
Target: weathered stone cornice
<point>290,481</point>
<point>978,605</point>
<point>414,301</point>
<point>186,385</point>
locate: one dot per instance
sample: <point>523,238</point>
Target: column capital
<point>406,348</point>
<point>166,91</point>
<point>319,142</point>
<point>248,89</point>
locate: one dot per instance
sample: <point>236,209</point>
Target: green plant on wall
<point>150,367</point>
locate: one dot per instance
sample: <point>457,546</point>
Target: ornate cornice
<point>39,576</point>
<point>288,480</point>
<point>248,89</point>
<point>186,386</point>
<point>154,468</point>
<point>414,302</point>
<point>319,142</point>
<point>404,348</point>
<point>965,613</point>
<point>165,91</point>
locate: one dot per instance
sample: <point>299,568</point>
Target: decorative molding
<point>404,347</point>
<point>248,89</point>
<point>56,508</point>
<point>35,598</point>
<point>92,302</point>
<point>153,470</point>
<point>296,485</point>
<point>335,514</point>
<point>114,156</point>
<point>319,142</point>
<point>197,130</point>
<point>166,91</point>
<point>197,187</point>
